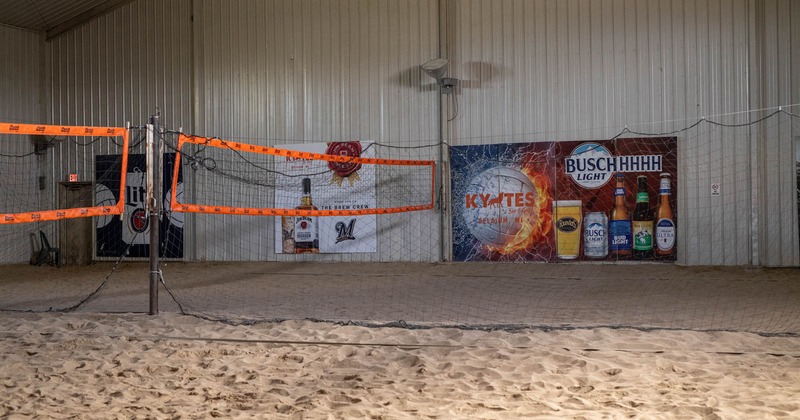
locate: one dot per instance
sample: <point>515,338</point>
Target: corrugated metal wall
<point>21,92</point>
<point>580,70</point>
<point>21,86</point>
<point>287,71</point>
<point>118,69</point>
<point>261,72</point>
<point>775,66</point>
<point>123,66</point>
<point>282,71</point>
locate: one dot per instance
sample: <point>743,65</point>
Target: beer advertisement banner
<point>602,200</point>
<point>130,234</point>
<point>326,186</point>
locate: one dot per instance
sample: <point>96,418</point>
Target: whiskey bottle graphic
<point>306,228</point>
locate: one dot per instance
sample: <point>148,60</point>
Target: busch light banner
<point>602,200</point>
<point>130,234</point>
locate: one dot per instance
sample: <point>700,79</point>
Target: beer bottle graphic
<point>619,227</point>
<point>306,228</point>
<point>665,223</point>
<point>642,223</point>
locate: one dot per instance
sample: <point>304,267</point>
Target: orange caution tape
<point>250,211</point>
<point>271,211</point>
<point>244,147</point>
<point>41,216</point>
<point>64,130</point>
<point>61,130</point>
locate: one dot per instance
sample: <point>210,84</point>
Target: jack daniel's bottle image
<point>306,228</point>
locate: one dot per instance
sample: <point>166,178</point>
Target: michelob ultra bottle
<point>306,228</point>
<point>643,227</point>
<point>665,223</point>
<point>619,227</point>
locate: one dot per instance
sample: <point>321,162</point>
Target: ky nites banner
<point>504,197</point>
<point>501,195</point>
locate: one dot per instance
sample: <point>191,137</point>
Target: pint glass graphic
<point>567,219</point>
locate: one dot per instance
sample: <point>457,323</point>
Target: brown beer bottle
<point>643,227</point>
<point>619,225</point>
<point>665,222</point>
<point>306,228</point>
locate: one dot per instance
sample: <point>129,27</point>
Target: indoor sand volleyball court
<point>400,209</point>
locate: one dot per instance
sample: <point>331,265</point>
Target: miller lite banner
<point>331,186</point>
<point>130,234</point>
<point>603,200</point>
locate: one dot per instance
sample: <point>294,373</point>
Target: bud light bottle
<point>619,227</point>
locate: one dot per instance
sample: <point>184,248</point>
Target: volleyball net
<point>25,172</point>
<point>245,179</point>
<point>50,188</point>
<point>230,255</point>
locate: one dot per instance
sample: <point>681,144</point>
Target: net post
<point>153,204</point>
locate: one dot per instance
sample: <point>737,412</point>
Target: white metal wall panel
<point>287,71</point>
<point>283,71</point>
<point>20,86</point>
<point>778,84</point>
<point>124,66</point>
<point>121,67</point>
<point>585,69</point>
<point>308,71</point>
<point>20,101</point>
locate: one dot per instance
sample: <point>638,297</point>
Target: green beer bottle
<point>642,222</point>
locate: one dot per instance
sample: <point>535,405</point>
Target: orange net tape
<point>63,130</point>
<point>270,211</point>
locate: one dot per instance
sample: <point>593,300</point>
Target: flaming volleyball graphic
<point>535,221</point>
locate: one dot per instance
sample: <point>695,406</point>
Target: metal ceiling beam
<point>84,17</point>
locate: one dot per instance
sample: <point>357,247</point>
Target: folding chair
<point>45,250</point>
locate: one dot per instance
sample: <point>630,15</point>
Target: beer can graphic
<point>595,235</point>
<point>136,227</point>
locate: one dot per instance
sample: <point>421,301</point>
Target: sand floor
<point>99,366</point>
<point>692,354</point>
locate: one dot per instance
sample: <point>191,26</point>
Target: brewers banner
<point>333,187</point>
<point>574,200</point>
